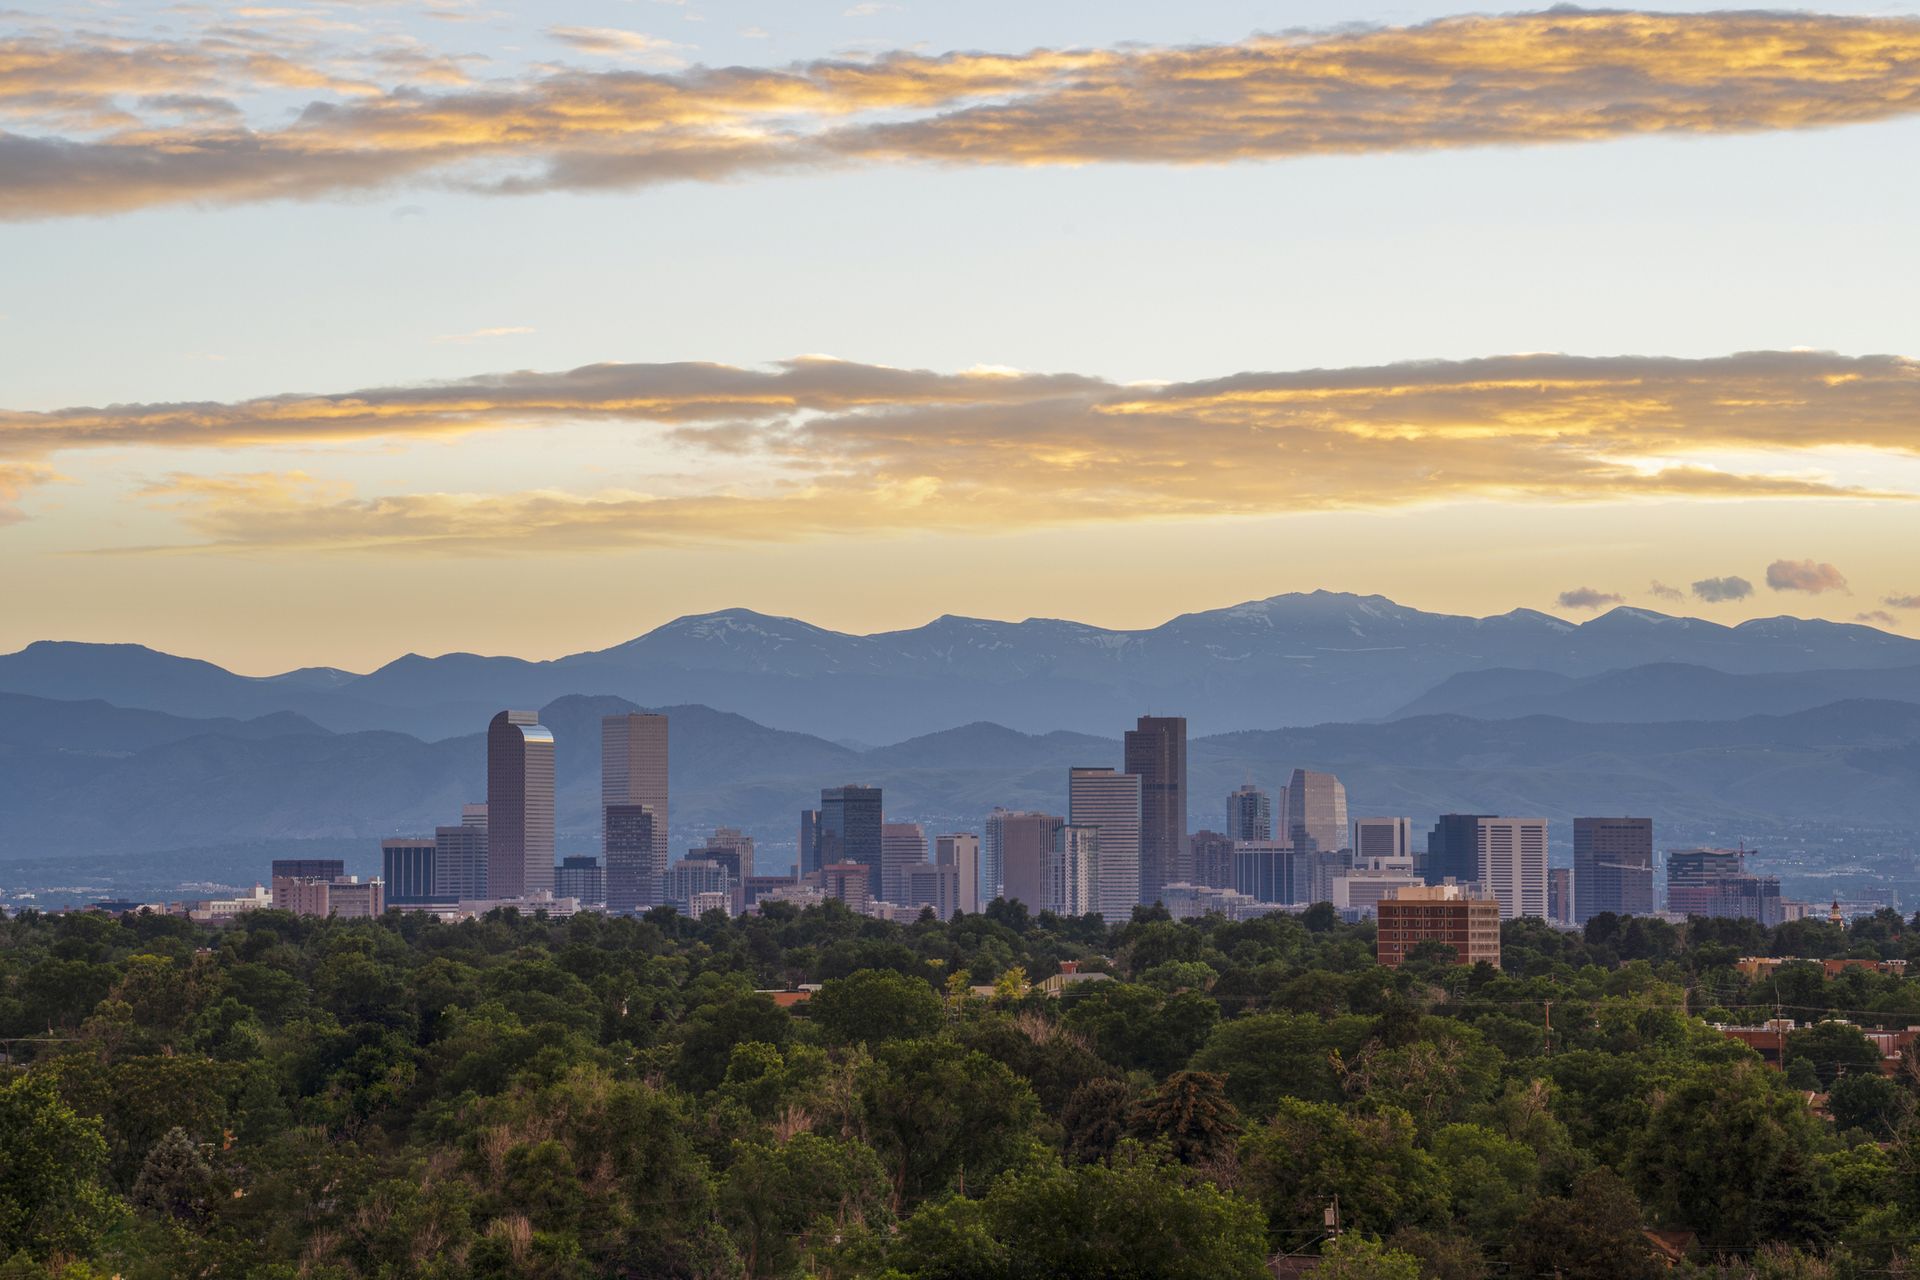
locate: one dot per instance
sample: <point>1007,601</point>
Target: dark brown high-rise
<point>519,805</point>
<point>1156,752</point>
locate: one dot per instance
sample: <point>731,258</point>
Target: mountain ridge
<point>1299,658</point>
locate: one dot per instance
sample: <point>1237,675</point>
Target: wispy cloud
<point>1661,591</point>
<point>1559,76</point>
<point>1805,575</point>
<point>15,479</point>
<point>1902,602</point>
<point>1588,598</point>
<point>1878,616</point>
<point>615,42</point>
<point>480,335</point>
<point>1721,590</point>
<point>835,446</point>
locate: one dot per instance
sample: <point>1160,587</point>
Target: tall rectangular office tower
<point>903,846</point>
<point>1073,871</point>
<point>1017,847</point>
<point>633,770</point>
<point>1453,849</point>
<point>1513,864</point>
<point>961,850</point>
<point>849,831</point>
<point>1114,803</point>
<point>632,880</point>
<point>519,805</point>
<point>1612,867</point>
<point>806,855</point>
<point>460,856</point>
<point>1156,753</point>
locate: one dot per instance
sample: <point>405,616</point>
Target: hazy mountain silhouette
<point>1290,660</point>
<point>1656,692</point>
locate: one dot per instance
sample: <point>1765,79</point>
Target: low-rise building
<point>1762,966</point>
<point>1769,1040</point>
<point>1459,916</point>
<point>1070,974</point>
<point>848,882</point>
<point>222,910</point>
<point>1357,892</point>
<point>1186,901</point>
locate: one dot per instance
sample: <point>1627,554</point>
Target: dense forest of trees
<point>603,1097</point>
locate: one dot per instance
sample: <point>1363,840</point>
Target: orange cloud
<point>1558,76</point>
<point>819,447</point>
<point>1623,418</point>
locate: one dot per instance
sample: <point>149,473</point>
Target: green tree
<point>1270,1056</point>
<point>1492,1176</point>
<point>873,1005</point>
<point>711,1031</point>
<point>1140,1028</point>
<point>1871,1102</point>
<point>1095,1118</point>
<point>176,1180</point>
<point>1594,1234</point>
<point>1358,1257</point>
<point>1190,1113</point>
<point>1832,1049</point>
<point>775,1197</point>
<point>52,1164</point>
<point>940,1115</point>
<point>1727,1153</point>
<point>1311,1152</point>
<point>1136,1219</point>
<point>1442,1256</point>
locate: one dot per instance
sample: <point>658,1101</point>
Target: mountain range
<point>1286,661</point>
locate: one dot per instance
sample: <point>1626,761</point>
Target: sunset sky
<point>334,331</point>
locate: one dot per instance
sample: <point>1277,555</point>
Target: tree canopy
<point>516,1097</point>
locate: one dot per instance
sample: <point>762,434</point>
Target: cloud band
<point>1559,76</point>
<point>839,447</point>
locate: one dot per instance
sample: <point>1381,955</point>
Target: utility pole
<point>1549,1028</point>
<point>1331,1219</point>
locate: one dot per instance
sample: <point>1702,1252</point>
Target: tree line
<point>296,1099</point>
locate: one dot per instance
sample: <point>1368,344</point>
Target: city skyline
<point>1085,863</point>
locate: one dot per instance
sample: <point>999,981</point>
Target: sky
<point>334,331</point>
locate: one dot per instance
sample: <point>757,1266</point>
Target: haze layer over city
<point>759,639</point>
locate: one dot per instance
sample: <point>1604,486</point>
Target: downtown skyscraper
<point>1316,812</point>
<point>1156,753</point>
<point>961,850</point>
<point>1111,803</point>
<point>519,805</point>
<point>1612,867</point>
<point>849,830</point>
<point>1511,858</point>
<point>632,880</point>
<point>1249,814</point>
<point>633,770</point>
